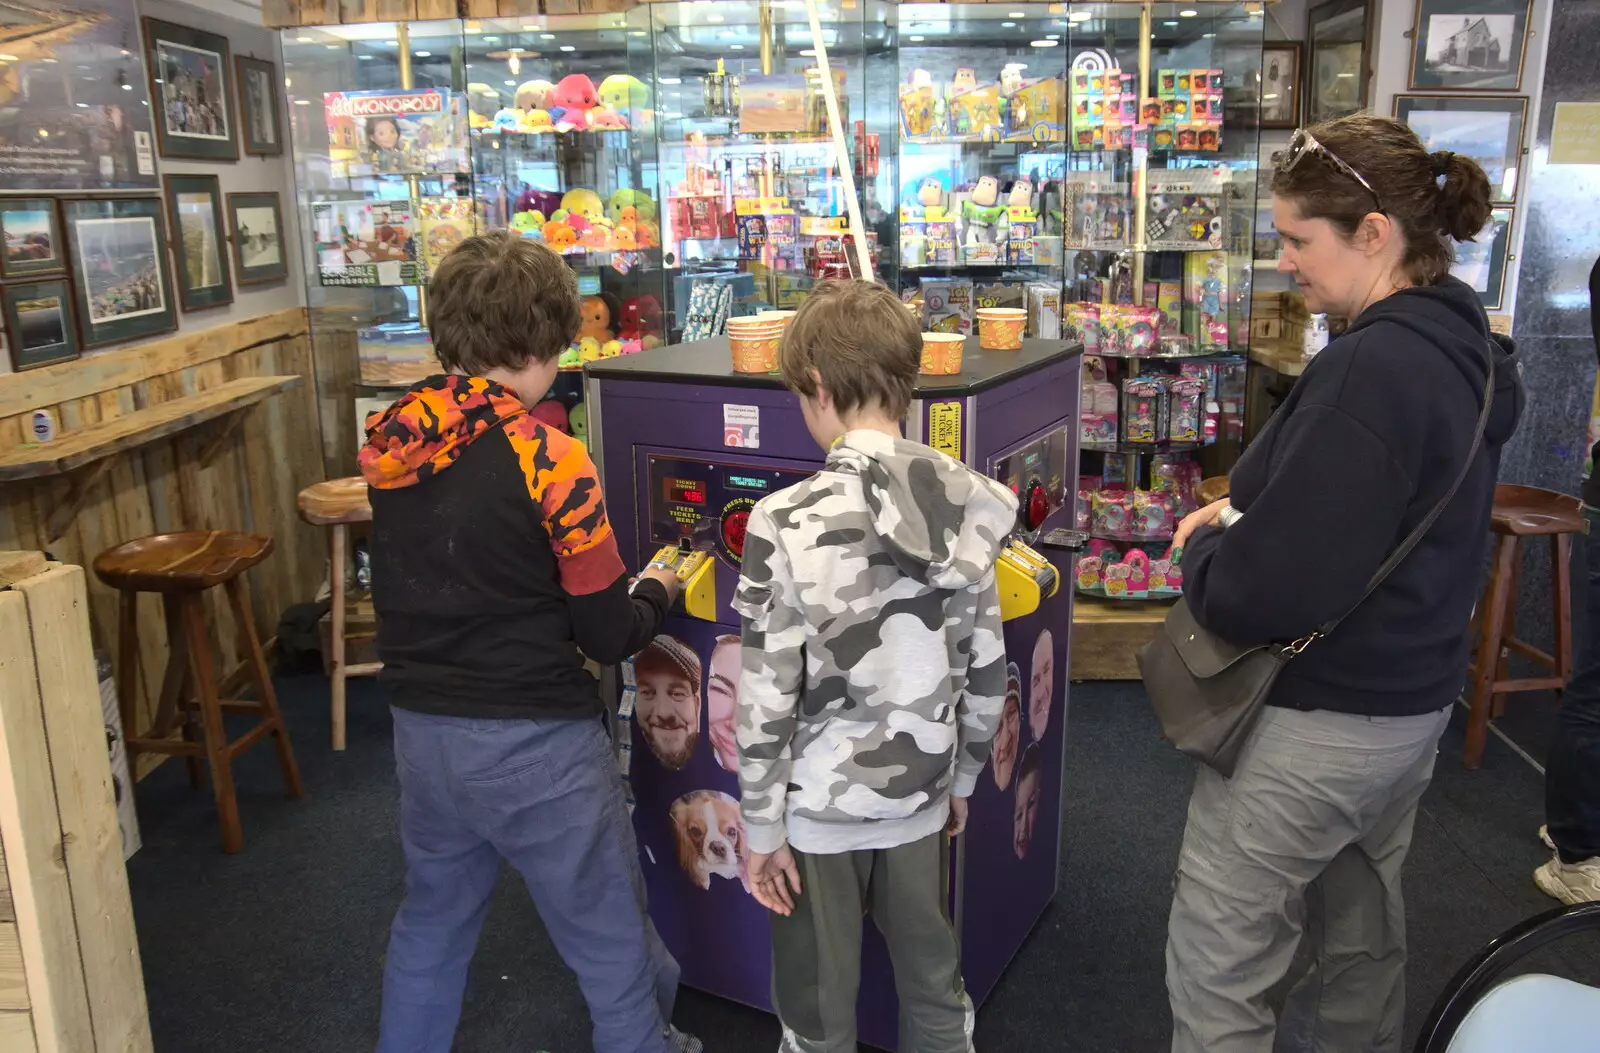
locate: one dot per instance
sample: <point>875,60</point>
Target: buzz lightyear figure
<point>983,216</point>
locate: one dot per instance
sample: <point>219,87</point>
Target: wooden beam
<point>69,689</point>
<point>160,421</point>
<point>35,858</point>
<point>79,484</point>
<point>80,378</point>
<point>14,566</point>
<point>16,1033</point>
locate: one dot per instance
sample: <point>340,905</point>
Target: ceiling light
<point>364,58</point>
<point>516,51</point>
<point>474,30</point>
<point>9,58</point>
<point>1016,65</point>
<point>568,47</point>
<point>1008,25</point>
<point>1207,36</point>
<point>303,39</point>
<point>83,106</point>
<point>423,54</point>
<point>127,87</point>
<point>1016,14</point>
<point>669,80</point>
<point>809,52</point>
<point>1187,12</point>
<point>491,40</point>
<point>1079,16</point>
<point>331,47</point>
<point>918,40</point>
<point>715,18</point>
<point>1172,23</point>
<point>391,43</point>
<point>511,84</point>
<point>735,47</point>
<point>297,102</point>
<point>547,36</point>
<point>637,33</point>
<point>1044,43</point>
<point>531,28</point>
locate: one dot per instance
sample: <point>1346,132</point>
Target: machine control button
<point>1038,505</point>
<point>734,523</point>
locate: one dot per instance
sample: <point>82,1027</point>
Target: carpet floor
<point>279,949</point>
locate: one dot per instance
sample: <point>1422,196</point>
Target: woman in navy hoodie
<point>1308,837</point>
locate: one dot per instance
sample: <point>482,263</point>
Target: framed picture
<point>1487,129</point>
<point>122,285</point>
<point>260,123</point>
<point>1339,33</point>
<point>1481,263</point>
<point>194,203</point>
<point>255,222</point>
<point>31,229</point>
<point>1280,84</point>
<point>1476,45</point>
<point>190,94</point>
<point>40,328</point>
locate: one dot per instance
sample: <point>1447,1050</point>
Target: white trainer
<point>1571,883</point>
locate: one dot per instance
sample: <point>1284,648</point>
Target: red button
<point>733,527</point>
<point>1038,506</point>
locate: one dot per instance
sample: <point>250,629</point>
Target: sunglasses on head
<point>1303,143</point>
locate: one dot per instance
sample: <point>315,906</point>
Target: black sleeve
<point>611,625</point>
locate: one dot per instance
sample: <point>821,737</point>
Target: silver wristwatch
<point>1229,516</point>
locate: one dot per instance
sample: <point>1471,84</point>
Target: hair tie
<point>1441,162</point>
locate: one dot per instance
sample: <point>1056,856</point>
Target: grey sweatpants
<point>1306,840</point>
<point>816,951</point>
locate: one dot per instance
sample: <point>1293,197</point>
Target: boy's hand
<point>666,578</point>
<point>958,817</point>
<point>774,880</point>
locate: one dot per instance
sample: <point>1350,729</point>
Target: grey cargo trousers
<point>1307,839</point>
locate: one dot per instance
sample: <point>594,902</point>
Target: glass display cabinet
<point>1095,164</point>
<point>757,181</point>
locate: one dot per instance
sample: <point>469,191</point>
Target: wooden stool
<point>337,503</point>
<point>181,567</point>
<point>1213,489</point>
<point>1519,512</point>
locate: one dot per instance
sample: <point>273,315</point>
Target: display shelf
<point>1165,598</point>
<point>1142,447</point>
<point>1160,539</point>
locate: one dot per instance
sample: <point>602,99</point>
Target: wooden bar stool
<point>337,503</point>
<point>181,567</point>
<point>1520,512</point>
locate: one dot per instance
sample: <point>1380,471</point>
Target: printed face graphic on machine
<point>722,696</point>
<point>1026,812</point>
<point>709,833</point>
<point>667,707</point>
<point>1009,736</point>
<point>1042,684</point>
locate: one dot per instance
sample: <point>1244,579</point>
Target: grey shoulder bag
<point>1208,693</point>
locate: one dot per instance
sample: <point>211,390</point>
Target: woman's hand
<point>1206,516</point>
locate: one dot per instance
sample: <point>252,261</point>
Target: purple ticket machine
<point>685,448</point>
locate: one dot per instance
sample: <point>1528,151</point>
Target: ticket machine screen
<point>709,502</point>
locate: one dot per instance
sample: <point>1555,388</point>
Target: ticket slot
<point>696,576</point>
<point>1024,579</point>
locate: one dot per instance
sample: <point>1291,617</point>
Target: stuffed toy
<point>982,213</point>
<point>641,319</point>
<point>544,202</point>
<point>630,97</point>
<point>643,206</point>
<point>506,121</point>
<point>571,102</point>
<point>552,414</point>
<point>559,236</point>
<point>534,122</point>
<point>605,119</point>
<point>599,314</point>
<point>588,348</point>
<point>534,95</point>
<point>584,202</point>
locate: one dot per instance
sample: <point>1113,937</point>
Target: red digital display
<point>686,491</point>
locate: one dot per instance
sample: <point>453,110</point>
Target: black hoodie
<point>1365,445</point>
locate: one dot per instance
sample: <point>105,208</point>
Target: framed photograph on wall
<point>1280,84</point>
<point>122,283</point>
<point>255,222</point>
<point>260,123</point>
<point>1481,263</point>
<point>40,327</point>
<point>1488,130</point>
<point>191,92</point>
<point>194,202</point>
<point>1339,40</point>
<point>1472,45</point>
<point>31,230</point>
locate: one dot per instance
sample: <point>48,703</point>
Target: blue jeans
<point>545,796</point>
<point>1572,769</point>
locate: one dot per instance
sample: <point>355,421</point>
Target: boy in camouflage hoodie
<point>873,678</point>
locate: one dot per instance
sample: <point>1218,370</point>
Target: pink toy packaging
<point>1081,322</point>
<point>1142,404</point>
<point>1138,578</point>
<point>1166,579</point>
<point>1088,575</point>
<point>1152,514</point>
<point>1186,408</point>
<point>1112,514</point>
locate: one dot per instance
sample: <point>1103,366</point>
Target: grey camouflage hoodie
<point>874,665</point>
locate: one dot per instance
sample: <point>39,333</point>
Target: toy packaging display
<point>1104,109</point>
<point>983,221</point>
<point>1096,211</point>
<point>1167,298</point>
<point>1186,410</point>
<point>947,305</point>
<point>1044,311</point>
<point>1035,110</point>
<point>999,294</point>
<point>773,103</point>
<point>1127,331</point>
<point>1080,323</point>
<point>1098,405</point>
<point>444,223</point>
<point>1191,110</point>
<point>1144,405</point>
<point>362,243</point>
<point>1205,293</point>
<point>395,132</point>
<point>974,114</point>
<point>1186,208</point>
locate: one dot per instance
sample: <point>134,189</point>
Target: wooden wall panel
<point>230,474</point>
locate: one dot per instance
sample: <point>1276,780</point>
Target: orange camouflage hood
<point>423,433</point>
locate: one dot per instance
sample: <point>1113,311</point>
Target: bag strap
<point>1400,553</point>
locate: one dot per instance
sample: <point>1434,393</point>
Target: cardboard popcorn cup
<point>1000,328</point>
<point>756,352</point>
<point>941,353</point>
<point>782,318</point>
